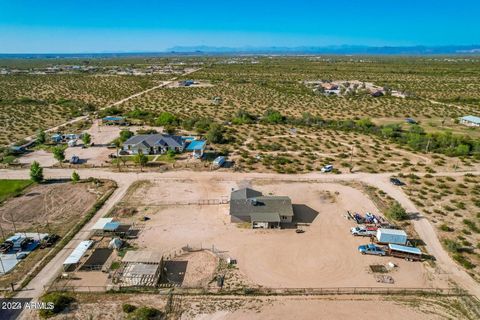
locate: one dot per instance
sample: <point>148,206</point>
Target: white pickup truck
<point>362,232</point>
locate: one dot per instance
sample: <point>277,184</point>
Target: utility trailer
<point>404,252</point>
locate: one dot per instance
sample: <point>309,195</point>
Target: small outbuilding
<point>471,121</point>
<point>197,147</point>
<point>74,258</point>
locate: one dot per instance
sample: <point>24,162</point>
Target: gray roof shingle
<point>153,140</point>
<point>248,202</point>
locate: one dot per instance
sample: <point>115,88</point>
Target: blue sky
<point>68,26</point>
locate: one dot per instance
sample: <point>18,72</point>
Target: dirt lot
<point>59,205</point>
<point>41,156</point>
<point>109,307</point>
<point>324,256</point>
<point>47,208</point>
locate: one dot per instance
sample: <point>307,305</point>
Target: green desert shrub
<point>59,302</point>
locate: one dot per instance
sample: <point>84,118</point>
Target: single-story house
<point>248,205</point>
<point>197,147</point>
<point>113,120</point>
<point>471,121</point>
<point>154,144</point>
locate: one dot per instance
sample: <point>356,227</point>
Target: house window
<point>284,218</point>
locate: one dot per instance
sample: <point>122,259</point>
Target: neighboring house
<point>154,144</point>
<point>114,120</point>
<point>57,138</point>
<point>248,205</point>
<point>471,121</point>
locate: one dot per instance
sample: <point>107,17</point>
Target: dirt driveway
<point>324,256</point>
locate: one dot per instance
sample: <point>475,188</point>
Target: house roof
<point>250,202</point>
<point>265,217</point>
<point>153,140</point>
<point>473,119</point>
<point>245,193</point>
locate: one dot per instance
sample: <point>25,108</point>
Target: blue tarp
<point>196,145</point>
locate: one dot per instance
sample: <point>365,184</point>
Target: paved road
<point>423,227</point>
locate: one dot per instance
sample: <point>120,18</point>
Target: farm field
<point>325,255</point>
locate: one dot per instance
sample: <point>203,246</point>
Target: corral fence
<point>169,289</point>
<point>197,202</point>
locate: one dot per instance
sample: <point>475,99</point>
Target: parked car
<point>396,181</point>
<point>49,241</point>
<point>6,247</point>
<point>362,232</point>
<point>372,249</point>
<point>21,256</point>
<point>74,160</point>
<point>327,168</point>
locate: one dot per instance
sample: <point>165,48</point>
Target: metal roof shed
<point>111,226</point>
<point>78,253</point>
<point>100,224</point>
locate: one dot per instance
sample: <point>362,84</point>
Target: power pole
<point>351,159</point>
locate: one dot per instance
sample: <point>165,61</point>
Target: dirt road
<point>124,179</point>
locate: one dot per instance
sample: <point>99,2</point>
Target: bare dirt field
<point>324,256</point>
<point>55,204</point>
<point>47,208</point>
<point>309,308</point>
<point>109,307</point>
<point>44,158</point>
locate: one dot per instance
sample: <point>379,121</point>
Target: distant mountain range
<point>248,50</point>
<point>343,49</point>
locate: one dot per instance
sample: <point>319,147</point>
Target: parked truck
<point>386,236</point>
<point>371,249</point>
<point>404,252</point>
<point>362,231</point>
